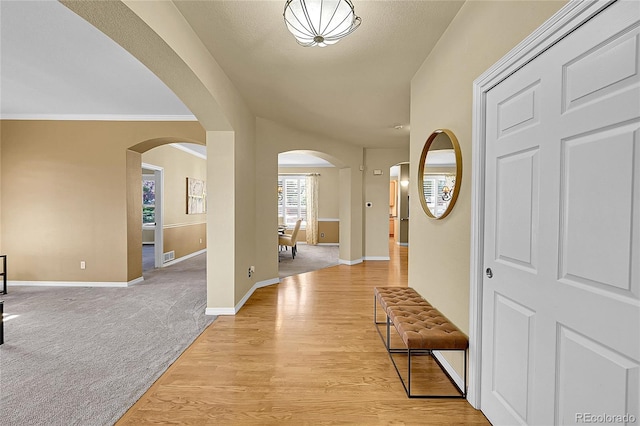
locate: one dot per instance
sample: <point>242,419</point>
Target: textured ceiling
<point>355,91</point>
<point>53,64</point>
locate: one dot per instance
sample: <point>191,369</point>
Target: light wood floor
<point>304,351</point>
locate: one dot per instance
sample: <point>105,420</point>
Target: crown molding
<point>188,150</point>
<point>97,117</point>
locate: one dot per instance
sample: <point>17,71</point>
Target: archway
<point>184,229</point>
<point>308,189</point>
<point>157,35</point>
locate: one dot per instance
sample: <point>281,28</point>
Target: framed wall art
<point>196,196</point>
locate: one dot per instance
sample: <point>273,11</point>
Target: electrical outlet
<point>200,240</point>
<point>83,265</point>
<point>252,269</point>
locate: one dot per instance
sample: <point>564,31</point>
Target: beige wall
<point>328,205</point>
<point>273,139</point>
<point>231,243</point>
<point>376,191</point>
<point>65,197</point>
<point>236,142</point>
<point>161,39</point>
<point>242,150</point>
<point>1,249</point>
<point>441,97</point>
<point>328,185</point>
<point>185,239</point>
<point>134,215</point>
<point>328,232</point>
<point>183,233</point>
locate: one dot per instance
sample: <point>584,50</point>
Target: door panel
<point>599,72</point>
<point>512,247</point>
<point>517,218</point>
<point>585,362</point>
<point>513,366</point>
<point>593,254</point>
<point>561,313</point>
<point>519,111</point>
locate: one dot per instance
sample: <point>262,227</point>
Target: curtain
<point>312,209</point>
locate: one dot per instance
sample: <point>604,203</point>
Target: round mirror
<point>439,173</point>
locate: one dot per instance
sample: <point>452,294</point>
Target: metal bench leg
<point>375,319</point>
<point>406,384</point>
<point>409,373</point>
<point>387,323</point>
<point>1,322</point>
<point>464,391</point>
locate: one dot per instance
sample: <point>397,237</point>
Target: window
<point>437,189</point>
<point>148,200</point>
<point>292,201</point>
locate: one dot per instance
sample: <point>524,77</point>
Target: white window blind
<point>433,193</point>
<point>292,202</point>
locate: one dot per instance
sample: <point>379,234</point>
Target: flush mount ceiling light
<point>320,22</point>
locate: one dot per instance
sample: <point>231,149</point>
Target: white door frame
<point>158,236</point>
<point>567,19</point>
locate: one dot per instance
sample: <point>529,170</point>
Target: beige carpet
<point>309,258</point>
<point>83,356</point>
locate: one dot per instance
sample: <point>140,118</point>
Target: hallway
<point>304,351</point>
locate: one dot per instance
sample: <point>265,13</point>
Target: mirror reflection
<point>441,170</point>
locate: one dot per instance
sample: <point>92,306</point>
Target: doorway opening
<point>399,204</point>
<point>306,193</point>
<point>152,221</point>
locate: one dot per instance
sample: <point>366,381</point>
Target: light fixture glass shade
<point>320,22</point>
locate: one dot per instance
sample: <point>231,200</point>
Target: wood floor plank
<point>302,352</point>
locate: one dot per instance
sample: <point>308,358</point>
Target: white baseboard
<point>136,281</point>
<point>180,259</point>
<point>266,283</point>
<point>350,262</point>
<point>256,286</point>
<point>111,284</point>
<point>73,283</point>
<point>449,369</point>
<point>328,244</point>
<point>376,258</point>
<point>219,311</point>
<point>236,309</point>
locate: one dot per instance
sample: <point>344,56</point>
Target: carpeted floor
<point>309,258</point>
<point>148,257</point>
<point>83,356</point>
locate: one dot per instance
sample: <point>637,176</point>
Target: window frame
<point>300,200</point>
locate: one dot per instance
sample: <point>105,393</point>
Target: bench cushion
<point>426,328</point>
<point>398,296</point>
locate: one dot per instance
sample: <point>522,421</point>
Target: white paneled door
<point>561,294</point>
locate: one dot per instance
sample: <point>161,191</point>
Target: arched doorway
<point>307,190</point>
<point>177,235</point>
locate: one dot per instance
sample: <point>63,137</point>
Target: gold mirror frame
<point>421,167</point>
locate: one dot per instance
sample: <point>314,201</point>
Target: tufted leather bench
<point>422,328</point>
<point>388,297</point>
<point>398,296</point>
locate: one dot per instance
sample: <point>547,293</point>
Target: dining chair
<point>289,240</point>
